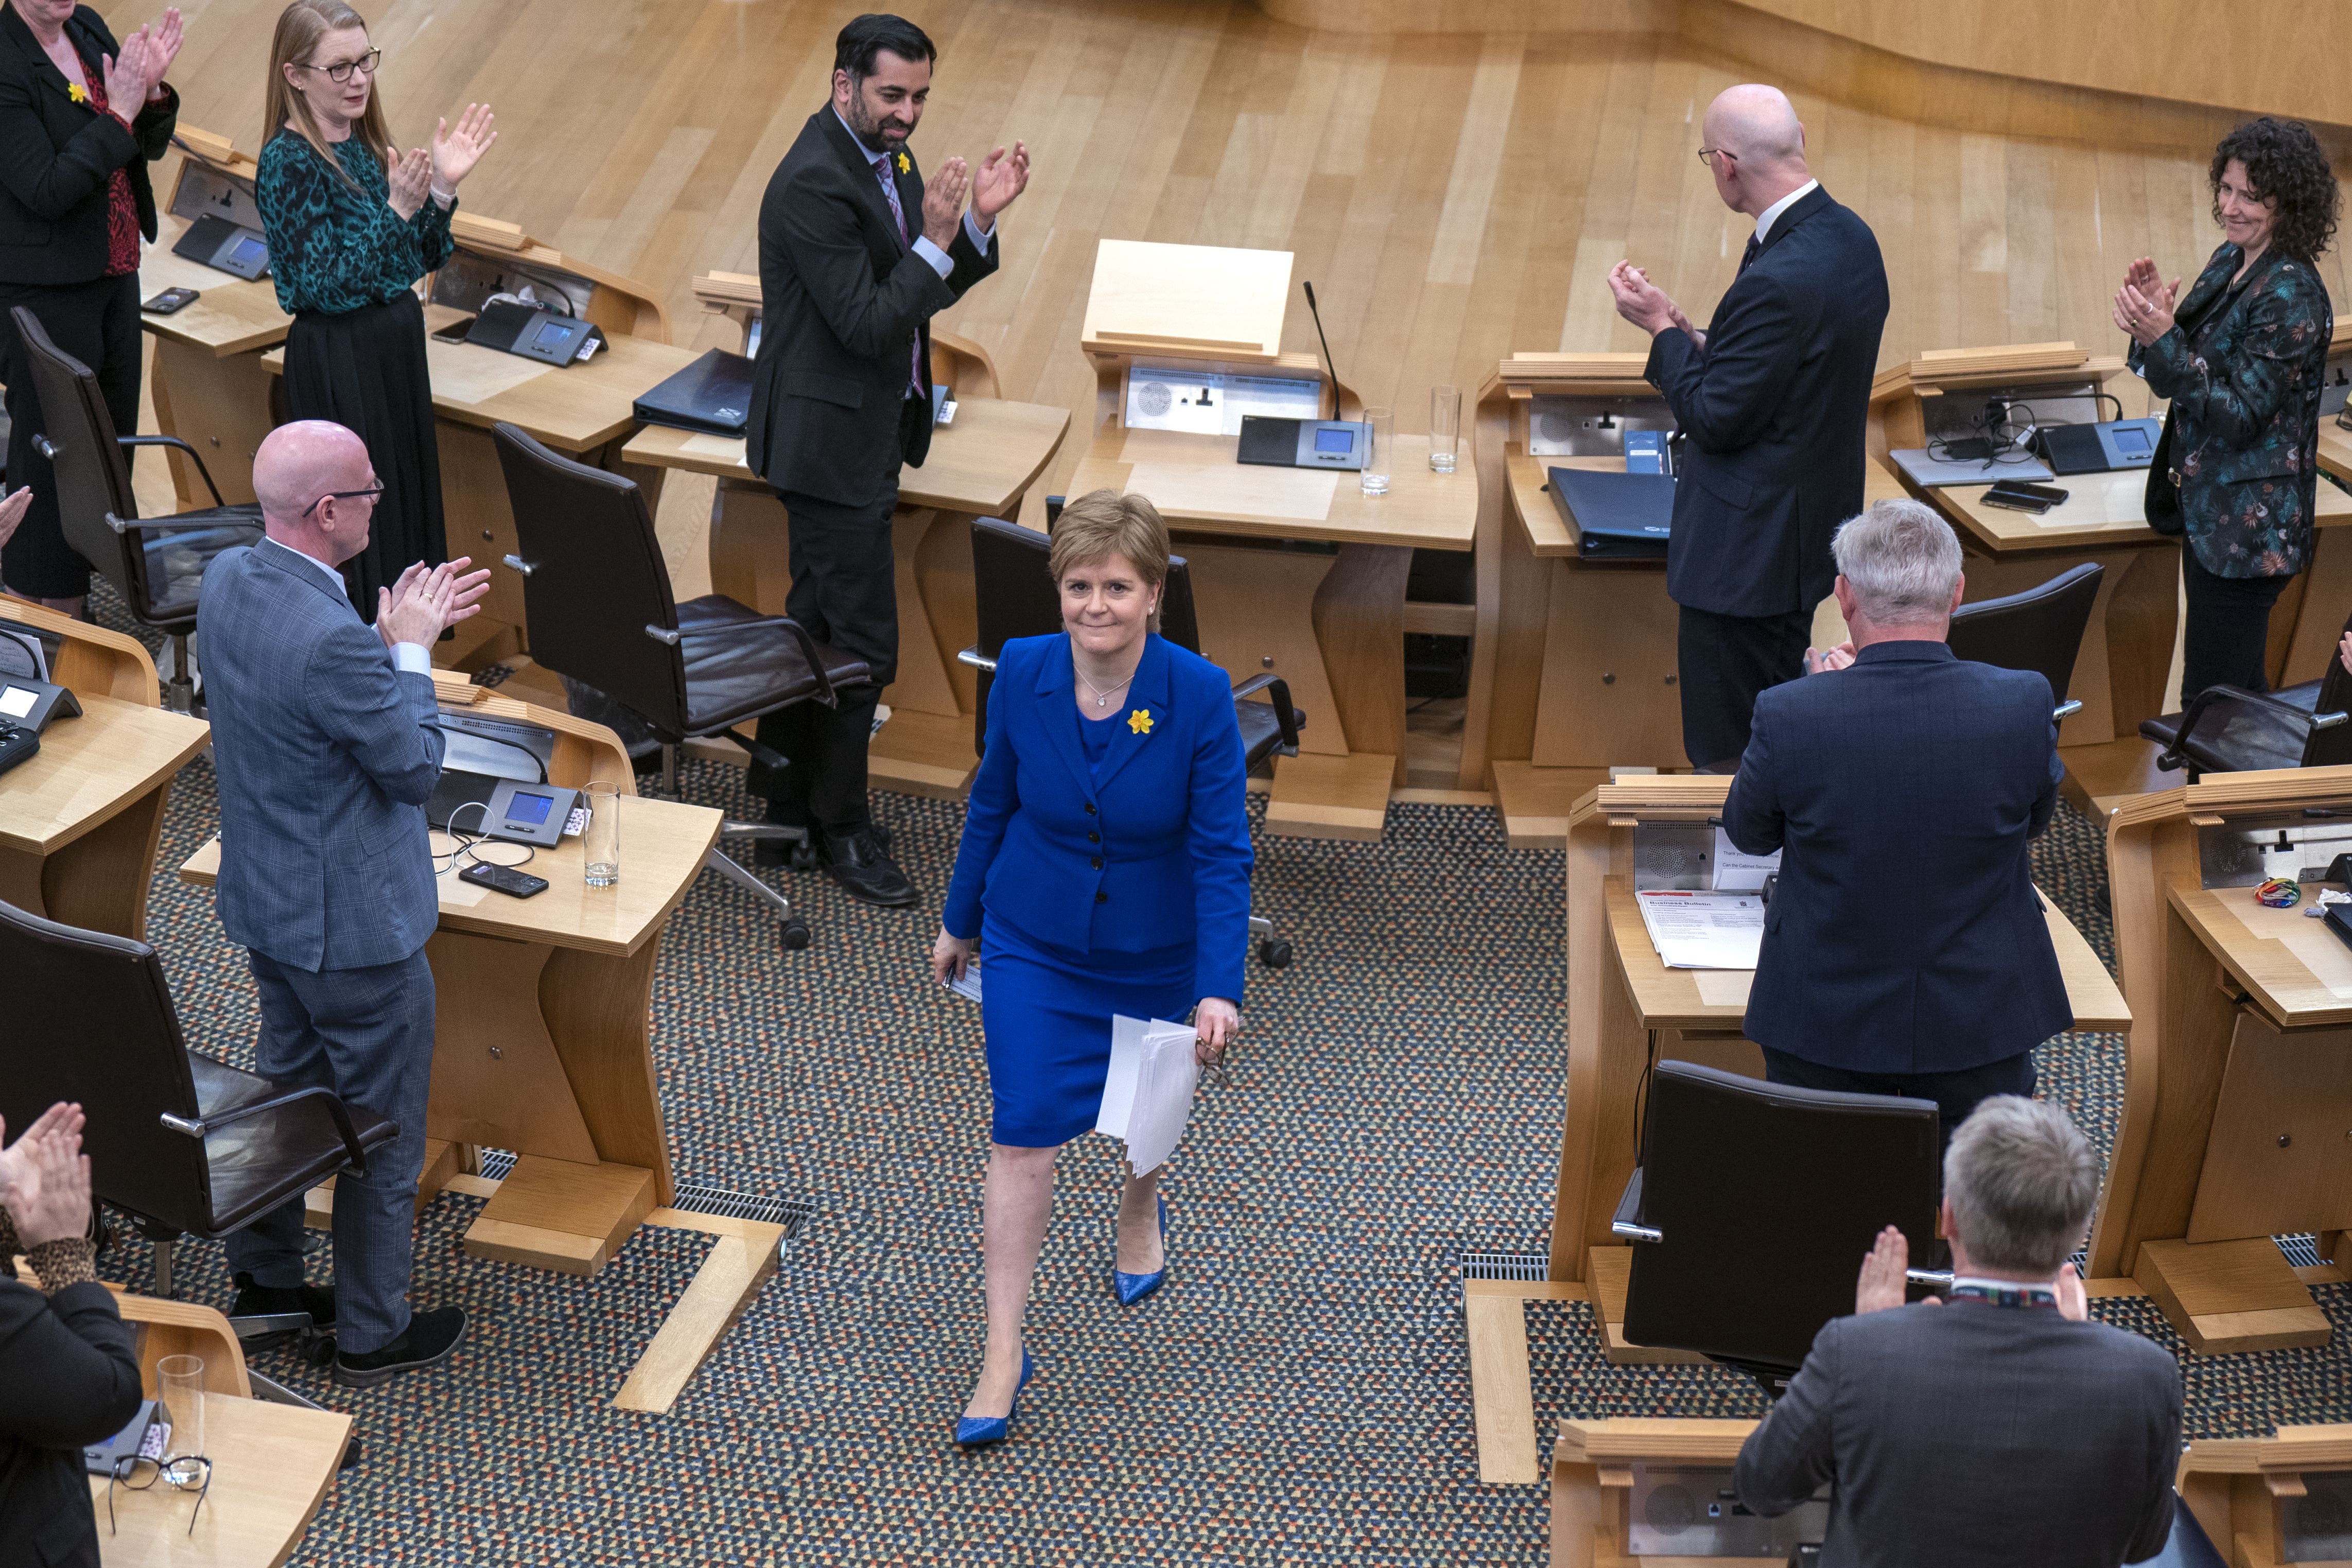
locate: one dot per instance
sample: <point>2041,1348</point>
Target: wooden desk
<point>1592,1483</point>
<point>2238,1080</point>
<point>80,823</point>
<point>980,466</point>
<point>542,1039</point>
<point>206,377</point>
<point>2242,1490</point>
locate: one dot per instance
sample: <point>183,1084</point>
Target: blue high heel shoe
<point>1134,1288</point>
<point>973,1431</point>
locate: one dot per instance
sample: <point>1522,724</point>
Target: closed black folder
<point>1615,516</point>
<point>713,396</point>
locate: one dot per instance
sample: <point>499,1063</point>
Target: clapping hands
<point>943,193</point>
<point>1000,180</point>
<point>410,179</point>
<point>131,75</point>
<point>1646,304</point>
<point>13,510</point>
<point>1821,660</point>
<point>427,600</point>
<point>2143,304</point>
<point>455,152</point>
<point>44,1178</point>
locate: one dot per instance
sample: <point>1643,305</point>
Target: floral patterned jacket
<point>2243,428</point>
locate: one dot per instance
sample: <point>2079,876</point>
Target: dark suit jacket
<point>1969,1434</point>
<point>71,1378</point>
<point>55,155</point>
<point>1904,935</point>
<point>1772,412</point>
<point>841,298</point>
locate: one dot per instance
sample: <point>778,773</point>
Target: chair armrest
<point>204,1125</point>
<point>2176,755</point>
<point>2066,710</point>
<point>169,524</point>
<point>174,441</point>
<point>671,637</point>
<point>1285,716</point>
<point>976,659</point>
<point>1624,1222</point>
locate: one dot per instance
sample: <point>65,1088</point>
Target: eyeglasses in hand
<point>341,70</point>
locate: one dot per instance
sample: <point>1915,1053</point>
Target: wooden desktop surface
<point>90,768</point>
<point>574,408</point>
<point>661,848</point>
<point>2099,510</point>
<point>229,316</point>
<point>2298,971</point>
<point>981,464</point>
<point>1198,485</point>
<point>272,1465</point>
<point>1717,998</point>
<point>2335,450</point>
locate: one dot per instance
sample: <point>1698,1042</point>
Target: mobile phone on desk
<point>503,878</point>
<point>454,332</point>
<point>169,300</point>
<point>2010,501</point>
<point>2049,495</point>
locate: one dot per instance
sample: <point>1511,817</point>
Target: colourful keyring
<point>2279,892</point>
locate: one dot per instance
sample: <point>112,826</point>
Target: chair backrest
<point>91,1020</point>
<point>2332,748</point>
<point>1768,1197</point>
<point>88,472</point>
<point>596,579</point>
<point>2040,630</point>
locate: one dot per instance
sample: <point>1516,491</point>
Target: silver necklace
<point>1103,694</point>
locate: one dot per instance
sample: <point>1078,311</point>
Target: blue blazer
<point>1154,854</point>
<point>326,755</point>
<point>1904,935</point>
<point>1774,409</point>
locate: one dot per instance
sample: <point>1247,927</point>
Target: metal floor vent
<point>693,1197</point>
<point>2303,1251</point>
<point>1535,1267</point>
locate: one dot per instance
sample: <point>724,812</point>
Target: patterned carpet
<point>1297,1395</point>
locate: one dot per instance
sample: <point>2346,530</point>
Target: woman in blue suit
<point>1105,862</point>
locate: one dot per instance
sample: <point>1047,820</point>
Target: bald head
<point>298,465</point>
<point>1757,126</point>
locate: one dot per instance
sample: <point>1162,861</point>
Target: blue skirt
<point>1046,1013</point>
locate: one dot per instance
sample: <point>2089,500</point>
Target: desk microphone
<point>1318,443</point>
<point>1327,345</point>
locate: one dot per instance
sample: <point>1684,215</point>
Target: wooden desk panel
<point>230,315</point>
<point>2296,970</point>
<point>1422,510</point>
<point>207,380</point>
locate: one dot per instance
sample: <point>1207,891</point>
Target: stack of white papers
<point>1737,871</point>
<point>1148,1093</point>
<point>967,985</point>
<point>1704,931</point>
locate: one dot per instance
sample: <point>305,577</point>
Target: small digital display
<point>550,334</point>
<point>15,701</point>
<point>529,810</point>
<point>1328,440</point>
<point>2132,442</point>
<point>249,251</point>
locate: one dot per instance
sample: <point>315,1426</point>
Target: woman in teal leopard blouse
<point>352,223</point>
<point>2241,356</point>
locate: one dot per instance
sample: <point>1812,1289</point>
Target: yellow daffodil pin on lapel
<point>905,163</point>
<point>78,92</point>
<point>1140,721</point>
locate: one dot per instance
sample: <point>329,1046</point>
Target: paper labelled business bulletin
<point>1148,1093</point>
<point>1704,931</point>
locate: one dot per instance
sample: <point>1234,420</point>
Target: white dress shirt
<point>1764,219</point>
<point>941,263</point>
<point>410,656</point>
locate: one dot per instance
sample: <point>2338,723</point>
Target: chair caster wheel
<point>317,1348</point>
<point>1275,952</point>
<point>802,857</point>
<point>796,933</point>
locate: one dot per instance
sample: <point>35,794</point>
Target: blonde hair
<point>299,28</point>
<point>1105,523</point>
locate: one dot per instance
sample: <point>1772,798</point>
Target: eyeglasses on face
<point>341,70</point>
<point>372,492</point>
<point>1707,154</point>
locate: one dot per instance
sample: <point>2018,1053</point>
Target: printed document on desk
<point>1703,930</point>
<point>1148,1091</point>
<point>1737,872</point>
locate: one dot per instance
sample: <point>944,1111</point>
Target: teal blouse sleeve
<point>335,244</point>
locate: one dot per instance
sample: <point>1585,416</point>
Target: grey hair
<point>2021,1180</point>
<point>1901,559</point>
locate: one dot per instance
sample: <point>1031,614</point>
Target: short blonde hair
<point>1105,523</point>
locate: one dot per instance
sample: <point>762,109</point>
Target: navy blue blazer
<point>1772,411</point>
<point>1154,854</point>
<point>326,755</point>
<point>1904,935</point>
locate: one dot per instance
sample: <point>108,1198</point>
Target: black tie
<point>1747,256</point>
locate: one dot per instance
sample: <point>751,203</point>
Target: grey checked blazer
<point>1971,1434</point>
<point>326,754</point>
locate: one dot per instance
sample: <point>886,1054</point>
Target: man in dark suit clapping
<point>1905,949</point>
<point>2005,1427</point>
<point>1770,401</point>
<point>857,255</point>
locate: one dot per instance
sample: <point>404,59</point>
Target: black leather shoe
<point>432,1337</point>
<point>269,1300</point>
<point>860,862</point>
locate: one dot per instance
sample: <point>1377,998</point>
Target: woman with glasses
<point>81,115</point>
<point>352,223</point>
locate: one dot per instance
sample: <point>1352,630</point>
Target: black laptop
<point>1615,516</point>
<point>712,395</point>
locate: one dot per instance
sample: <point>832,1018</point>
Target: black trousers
<point>1955,1093</point>
<point>844,591</point>
<point>97,324</point>
<point>1723,662</point>
<point>2228,630</point>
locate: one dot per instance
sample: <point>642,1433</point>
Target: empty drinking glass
<point>600,841</point>
<point>1379,435</point>
<point>180,1386</point>
<point>1444,427</point>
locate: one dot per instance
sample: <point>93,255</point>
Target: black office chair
<point>1015,596</point>
<point>2227,730</point>
<point>1754,1205</point>
<point>182,1143</point>
<point>597,596</point>
<point>156,564</point>
<point>2040,630</point>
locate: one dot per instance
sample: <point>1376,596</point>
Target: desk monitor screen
<point>2132,443</point>
<point>551,333</point>
<point>16,701</point>
<point>249,251</point>
<point>1330,438</point>
<point>529,807</point>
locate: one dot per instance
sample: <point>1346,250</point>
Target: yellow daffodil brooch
<point>905,163</point>
<point>1140,721</point>
<point>78,92</point>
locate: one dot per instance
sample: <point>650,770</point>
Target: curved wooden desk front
<point>542,1040</point>
<point>81,821</point>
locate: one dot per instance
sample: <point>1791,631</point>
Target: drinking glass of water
<point>600,841</point>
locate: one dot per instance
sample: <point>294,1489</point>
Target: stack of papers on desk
<point>1148,1093</point>
<point>1703,930</point>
